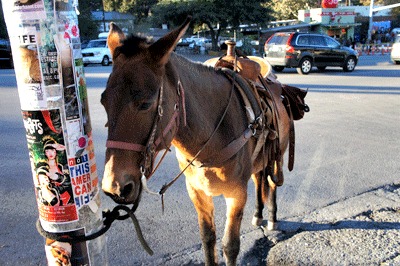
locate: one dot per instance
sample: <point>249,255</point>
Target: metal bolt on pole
<point>44,36</point>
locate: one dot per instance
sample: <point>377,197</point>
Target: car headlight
<point>97,53</point>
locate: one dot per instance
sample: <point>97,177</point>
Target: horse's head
<point>141,110</point>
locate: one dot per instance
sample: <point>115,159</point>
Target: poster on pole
<point>52,179</point>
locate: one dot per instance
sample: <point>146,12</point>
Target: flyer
<point>54,191</point>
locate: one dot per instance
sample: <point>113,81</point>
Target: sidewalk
<point>362,230</point>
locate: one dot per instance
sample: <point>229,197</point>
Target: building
<point>124,20</point>
<point>337,22</point>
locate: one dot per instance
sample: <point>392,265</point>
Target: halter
<point>150,149</point>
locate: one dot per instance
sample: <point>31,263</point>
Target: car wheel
<point>106,61</point>
<point>397,62</point>
<point>305,66</point>
<point>349,64</point>
<point>278,68</point>
<point>321,68</point>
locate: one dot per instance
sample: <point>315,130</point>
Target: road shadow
<point>361,72</point>
<point>348,89</point>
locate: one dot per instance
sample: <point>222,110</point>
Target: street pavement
<point>362,229</point>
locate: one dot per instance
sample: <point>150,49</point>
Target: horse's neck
<point>206,96</point>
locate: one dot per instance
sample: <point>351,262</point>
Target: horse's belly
<point>203,179</point>
<point>210,180</point>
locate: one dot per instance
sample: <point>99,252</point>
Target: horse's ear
<point>115,37</point>
<point>162,48</point>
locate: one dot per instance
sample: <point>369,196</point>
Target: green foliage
<point>139,8</point>
<point>288,9</point>
<point>212,15</point>
<point>88,28</point>
<point>394,11</point>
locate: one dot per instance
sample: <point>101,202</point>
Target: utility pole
<point>45,41</point>
<point>371,13</point>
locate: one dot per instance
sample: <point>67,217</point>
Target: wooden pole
<point>45,41</point>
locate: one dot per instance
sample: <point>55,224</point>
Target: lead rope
<point>109,218</point>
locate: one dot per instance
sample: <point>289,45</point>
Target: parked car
<point>97,52</point>
<point>306,50</point>
<point>201,42</point>
<point>395,53</point>
<point>5,54</point>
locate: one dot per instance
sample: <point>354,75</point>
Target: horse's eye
<point>145,106</point>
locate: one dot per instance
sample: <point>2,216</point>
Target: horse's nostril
<point>126,190</point>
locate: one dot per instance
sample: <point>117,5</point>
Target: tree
<point>287,9</point>
<point>212,15</point>
<point>394,11</point>
<point>139,8</point>
<point>88,28</point>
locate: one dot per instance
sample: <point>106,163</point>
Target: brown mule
<point>155,98</point>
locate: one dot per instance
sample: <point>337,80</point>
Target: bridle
<point>150,150</point>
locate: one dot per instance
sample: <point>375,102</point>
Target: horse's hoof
<point>272,226</point>
<point>256,221</point>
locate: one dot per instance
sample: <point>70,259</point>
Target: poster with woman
<point>54,191</point>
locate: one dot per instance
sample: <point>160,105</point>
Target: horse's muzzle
<point>128,193</point>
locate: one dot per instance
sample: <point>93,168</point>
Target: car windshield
<point>94,44</point>
<point>279,39</point>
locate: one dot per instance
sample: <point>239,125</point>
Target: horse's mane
<point>195,66</point>
<point>134,44</point>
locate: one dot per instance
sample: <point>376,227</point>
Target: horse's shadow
<point>287,229</point>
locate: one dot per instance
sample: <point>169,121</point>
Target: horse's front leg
<point>235,203</point>
<point>205,212</point>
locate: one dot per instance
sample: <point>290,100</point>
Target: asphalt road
<point>347,145</point>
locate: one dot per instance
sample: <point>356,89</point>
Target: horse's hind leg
<point>205,212</point>
<point>235,202</point>
<point>275,179</point>
<point>258,182</point>
<point>265,193</point>
<point>271,205</point>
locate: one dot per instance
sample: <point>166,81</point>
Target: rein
<point>109,217</point>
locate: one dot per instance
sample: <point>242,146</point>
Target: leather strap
<point>125,146</point>
<point>291,138</point>
<point>230,150</point>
